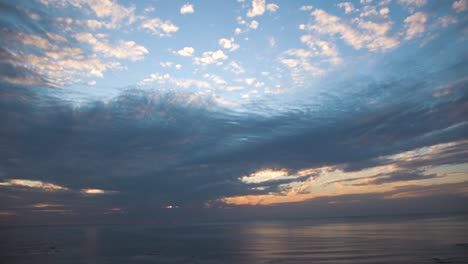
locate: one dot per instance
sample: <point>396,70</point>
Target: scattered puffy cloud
<point>347,6</point>
<point>306,8</point>
<point>103,9</point>
<point>57,62</point>
<point>300,65</point>
<point>166,64</point>
<point>156,77</point>
<point>186,52</point>
<point>417,3</point>
<point>368,11</point>
<point>253,24</point>
<point>326,50</point>
<point>210,57</point>
<point>228,44</point>
<point>159,27</point>
<point>460,6</point>
<point>187,9</point>
<point>372,35</point>
<point>121,50</point>
<point>446,21</point>
<point>167,79</point>
<point>235,68</point>
<point>258,8</point>
<point>384,11</point>
<point>272,7</point>
<point>415,25</point>
<point>149,9</point>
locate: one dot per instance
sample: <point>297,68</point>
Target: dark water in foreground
<point>358,240</point>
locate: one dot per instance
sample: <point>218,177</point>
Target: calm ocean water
<point>351,240</point>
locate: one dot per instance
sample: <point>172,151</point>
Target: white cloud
<point>235,68</point>
<point>166,64</point>
<point>306,8</point>
<point>415,25</point>
<point>460,5</point>
<point>348,7</point>
<point>186,52</point>
<point>102,9</point>
<point>187,9</point>
<point>370,35</point>
<point>368,11</point>
<point>155,77</point>
<point>210,57</point>
<point>445,21</point>
<point>384,11</point>
<point>326,50</point>
<point>168,80</point>
<point>258,8</point>
<point>122,49</point>
<point>149,9</point>
<point>412,4</point>
<point>63,65</point>
<point>237,31</point>
<point>159,27</point>
<point>365,1</point>
<point>253,24</point>
<point>228,44</point>
<point>298,62</point>
<point>272,7</point>
<point>215,79</point>
<point>249,81</point>
<point>178,66</point>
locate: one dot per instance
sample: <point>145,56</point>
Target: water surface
<point>346,240</point>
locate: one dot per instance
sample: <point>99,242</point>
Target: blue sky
<point>121,108</point>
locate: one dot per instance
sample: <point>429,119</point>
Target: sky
<point>120,111</point>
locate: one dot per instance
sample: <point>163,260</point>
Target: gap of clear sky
<point>136,111</point>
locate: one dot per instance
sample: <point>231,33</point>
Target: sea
<point>385,239</point>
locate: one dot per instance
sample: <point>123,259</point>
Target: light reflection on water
<point>403,240</point>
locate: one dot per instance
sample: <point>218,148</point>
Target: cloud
<point>272,7</point>
<point>186,52</point>
<point>103,9</point>
<point>371,35</point>
<point>149,126</point>
<point>446,21</point>
<point>258,8</point>
<point>44,186</point>
<point>168,79</point>
<point>300,64</point>
<point>57,60</point>
<point>228,44</point>
<point>253,24</point>
<point>159,27</point>
<point>460,6</point>
<point>129,50</point>
<point>211,57</point>
<point>415,25</point>
<point>412,4</point>
<point>96,192</point>
<point>187,9</point>
<point>324,49</point>
<point>306,8</point>
<point>348,7</point>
